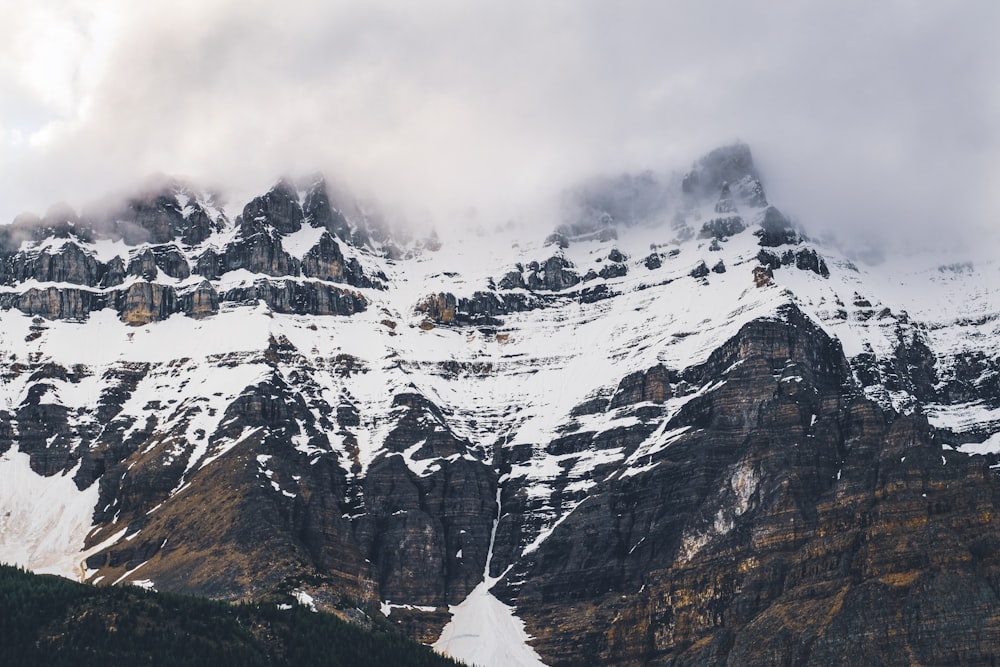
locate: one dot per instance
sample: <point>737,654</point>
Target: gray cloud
<point>859,113</point>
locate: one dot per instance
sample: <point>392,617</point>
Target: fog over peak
<point>859,116</point>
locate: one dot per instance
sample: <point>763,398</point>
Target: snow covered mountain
<point>670,428</point>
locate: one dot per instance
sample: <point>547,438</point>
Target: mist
<point>860,116</point>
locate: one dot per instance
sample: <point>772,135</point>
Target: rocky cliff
<point>672,431</point>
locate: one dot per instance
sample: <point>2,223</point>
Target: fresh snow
<point>43,520</point>
<point>541,365</point>
<point>483,631</point>
<point>299,243</point>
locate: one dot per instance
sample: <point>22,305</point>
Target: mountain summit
<point>672,429</point>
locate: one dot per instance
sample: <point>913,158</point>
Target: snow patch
<point>44,521</point>
<point>485,632</point>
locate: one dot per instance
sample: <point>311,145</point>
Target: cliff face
<point>170,243</point>
<point>648,460</point>
<point>785,520</point>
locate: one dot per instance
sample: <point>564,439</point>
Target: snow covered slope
<point>291,401</point>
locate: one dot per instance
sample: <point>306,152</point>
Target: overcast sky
<point>859,113</point>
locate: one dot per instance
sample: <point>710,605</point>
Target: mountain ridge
<point>400,422</point>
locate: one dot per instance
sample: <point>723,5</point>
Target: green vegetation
<point>47,620</point>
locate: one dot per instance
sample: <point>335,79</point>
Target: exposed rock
<point>809,260</point>
<point>653,385</point>
<point>512,280</point>
<point>210,264</point>
<point>143,264</point>
<point>143,302</point>
<point>201,301</point>
<point>427,535</point>
<point>776,229</point>
<point>44,432</point>
<point>325,261</point>
<point>198,226</point>
<point>762,276</point>
<point>700,271</point>
<point>653,261</point>
<point>299,297</point>
<point>613,270</point>
<point>258,250</point>
<point>596,293</point>
<point>481,308</point>
<point>319,212</point>
<point>721,228</point>
<point>439,307</point>
<point>153,218</point>
<point>555,275</point>
<point>69,264</point>
<point>279,208</point>
<point>114,272</point>
<point>54,303</point>
<point>720,267</point>
<point>806,259</point>
<point>171,261</point>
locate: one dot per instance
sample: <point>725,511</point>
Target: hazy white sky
<point>858,112</point>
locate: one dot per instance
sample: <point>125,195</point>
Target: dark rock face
<point>319,212</point>
<point>554,275</point>
<point>512,280</point>
<point>700,271</point>
<point>279,208</point>
<point>171,261</point>
<point>809,260</point>
<point>653,386</point>
<point>973,376</point>
<point>44,432</point>
<point>325,261</point>
<point>721,228</point>
<point>653,261</point>
<point>776,229</point>
<point>144,302</point>
<point>167,258</point>
<point>911,369</point>
<point>258,250</point>
<point>805,259</point>
<point>114,273</point>
<point>69,264</point>
<point>306,297</point>
<point>198,226</point>
<point>613,270</point>
<point>789,519</point>
<point>481,308</point>
<point>210,264</point>
<point>200,302</point>
<point>54,303</point>
<point>762,276</point>
<point>427,535</point>
<point>143,264</point>
<point>155,218</point>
